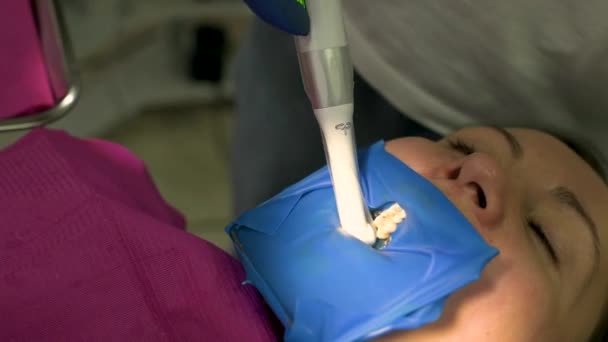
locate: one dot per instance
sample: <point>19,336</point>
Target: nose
<point>483,182</point>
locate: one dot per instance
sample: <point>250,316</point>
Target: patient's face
<point>543,285</point>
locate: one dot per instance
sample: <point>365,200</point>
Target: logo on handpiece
<point>345,127</point>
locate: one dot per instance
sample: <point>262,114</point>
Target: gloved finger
<point>290,16</point>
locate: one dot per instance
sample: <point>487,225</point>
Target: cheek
<point>511,302</point>
<point>514,300</point>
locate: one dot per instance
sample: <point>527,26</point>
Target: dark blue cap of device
<point>290,16</point>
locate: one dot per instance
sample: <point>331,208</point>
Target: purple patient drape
<point>89,251</point>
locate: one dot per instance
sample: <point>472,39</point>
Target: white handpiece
<point>327,74</point>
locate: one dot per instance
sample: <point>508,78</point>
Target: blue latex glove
<point>327,286</point>
<point>287,15</point>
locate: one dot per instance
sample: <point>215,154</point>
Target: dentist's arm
<point>287,15</point>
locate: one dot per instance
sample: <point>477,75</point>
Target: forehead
<point>547,156</point>
<point>551,163</point>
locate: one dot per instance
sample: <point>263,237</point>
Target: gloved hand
<point>290,16</point>
<point>327,286</point>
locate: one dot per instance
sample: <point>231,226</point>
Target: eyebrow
<point>568,198</point>
<point>517,151</point>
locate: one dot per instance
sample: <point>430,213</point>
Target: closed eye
<point>462,146</point>
<point>540,234</point>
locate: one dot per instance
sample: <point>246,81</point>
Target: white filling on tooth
<point>386,222</point>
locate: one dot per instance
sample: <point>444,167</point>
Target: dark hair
<point>589,153</point>
<point>600,332</point>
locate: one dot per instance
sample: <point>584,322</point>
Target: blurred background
<point>150,84</point>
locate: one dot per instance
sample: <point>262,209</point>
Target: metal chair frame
<point>61,66</point>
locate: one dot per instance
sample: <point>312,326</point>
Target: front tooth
<point>394,208</point>
<point>382,235</point>
<point>386,222</point>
